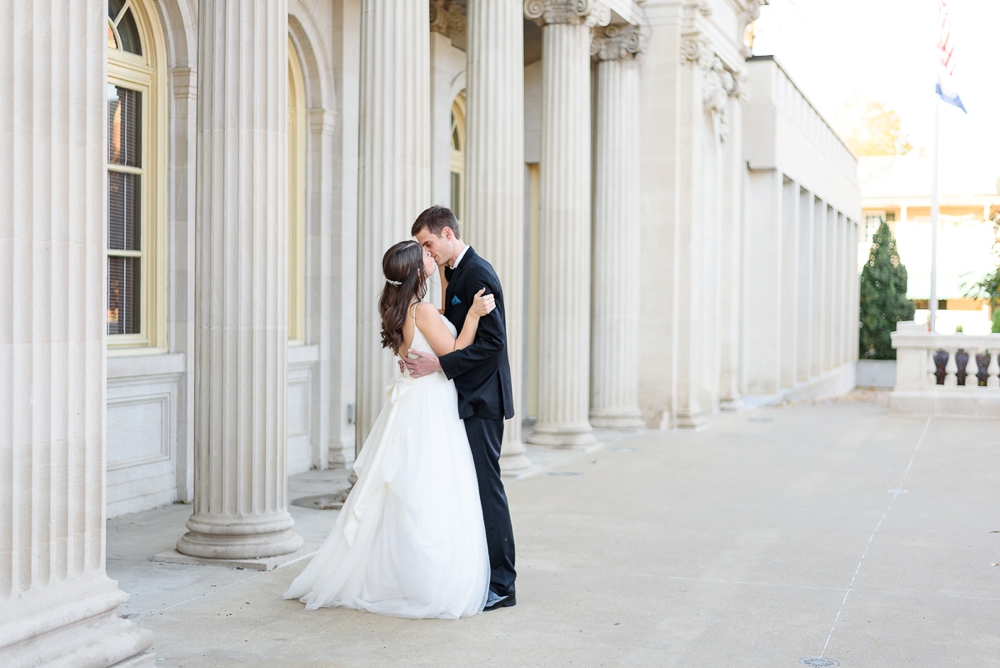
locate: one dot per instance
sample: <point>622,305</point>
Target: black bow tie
<point>448,271</point>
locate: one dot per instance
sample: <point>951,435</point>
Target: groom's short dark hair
<point>434,220</point>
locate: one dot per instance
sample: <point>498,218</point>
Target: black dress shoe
<point>494,602</point>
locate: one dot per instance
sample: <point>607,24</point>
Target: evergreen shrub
<point>883,297</point>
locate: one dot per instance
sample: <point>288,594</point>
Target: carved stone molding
<point>322,121</point>
<point>447,18</point>
<point>705,8</point>
<point>753,8</point>
<point>694,48</point>
<point>751,14</point>
<point>742,90</point>
<point>619,43</point>
<point>719,83</point>
<point>185,83</point>
<point>588,12</point>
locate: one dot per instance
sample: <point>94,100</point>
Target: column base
<point>623,420</point>
<point>84,632</point>
<point>562,435</point>
<point>694,421</point>
<point>732,404</point>
<point>513,458</point>
<point>341,455</point>
<point>239,540</point>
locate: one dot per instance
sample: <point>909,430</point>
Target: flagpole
<point>934,216</point>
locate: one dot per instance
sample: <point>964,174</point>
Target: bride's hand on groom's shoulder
<point>482,305</point>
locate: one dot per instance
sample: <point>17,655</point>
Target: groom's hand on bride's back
<point>421,365</point>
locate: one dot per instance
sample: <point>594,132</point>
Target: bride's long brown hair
<point>403,267</point>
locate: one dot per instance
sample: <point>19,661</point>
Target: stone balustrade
<point>945,374</point>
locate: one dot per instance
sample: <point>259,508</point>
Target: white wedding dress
<point>409,541</point>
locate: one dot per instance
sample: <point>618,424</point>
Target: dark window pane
<point>129,32</point>
<point>456,195</point>
<point>115,8</point>
<point>124,223</point>
<point>124,126</point>
<point>123,295</point>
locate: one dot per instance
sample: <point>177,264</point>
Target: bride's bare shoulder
<point>423,312</point>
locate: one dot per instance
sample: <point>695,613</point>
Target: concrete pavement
<point>818,532</point>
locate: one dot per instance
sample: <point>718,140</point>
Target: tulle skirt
<point>409,541</point>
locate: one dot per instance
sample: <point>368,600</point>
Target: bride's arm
<point>437,334</point>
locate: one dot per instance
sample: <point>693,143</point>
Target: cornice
<point>619,42</point>
<point>586,12</point>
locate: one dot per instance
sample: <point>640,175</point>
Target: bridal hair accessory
<point>389,280</point>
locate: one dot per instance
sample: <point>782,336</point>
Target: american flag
<point>946,59</point>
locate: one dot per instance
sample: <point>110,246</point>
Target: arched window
<point>136,300</point>
<point>458,158</point>
<point>296,198</point>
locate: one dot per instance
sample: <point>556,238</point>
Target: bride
<point>409,541</point>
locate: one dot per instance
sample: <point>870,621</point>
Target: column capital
<point>447,18</point>
<point>587,12</point>
<point>619,42</point>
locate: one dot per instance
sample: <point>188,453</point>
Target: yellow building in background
<point>897,189</point>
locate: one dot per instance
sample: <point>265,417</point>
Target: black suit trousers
<point>485,437</point>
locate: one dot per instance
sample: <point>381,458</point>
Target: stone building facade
<point>197,196</point>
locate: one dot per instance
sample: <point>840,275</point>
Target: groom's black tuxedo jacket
<point>481,371</point>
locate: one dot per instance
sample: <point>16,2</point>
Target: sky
<point>883,50</point>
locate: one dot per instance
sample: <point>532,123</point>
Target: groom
<point>482,377</point>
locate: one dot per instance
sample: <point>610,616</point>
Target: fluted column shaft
<point>564,241</point>
<point>394,170</point>
<point>494,174</point>
<point>57,604</point>
<point>614,393</point>
<point>241,497</point>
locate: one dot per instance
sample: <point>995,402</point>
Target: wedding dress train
<point>409,541</point>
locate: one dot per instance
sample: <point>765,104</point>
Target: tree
<point>869,128</point>
<point>989,286</point>
<point>883,297</point>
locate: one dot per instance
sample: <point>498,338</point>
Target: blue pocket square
<point>455,301</point>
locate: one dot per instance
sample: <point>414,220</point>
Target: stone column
<point>765,278</point>
<point>58,606</point>
<point>819,271</point>
<point>241,332</point>
<point>790,286</point>
<point>807,307</point>
<point>614,393</point>
<point>832,242</point>
<point>847,285</point>
<point>733,217</point>
<point>855,308</point>
<point>393,170</point>
<point>564,242</point>
<point>494,175</point>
